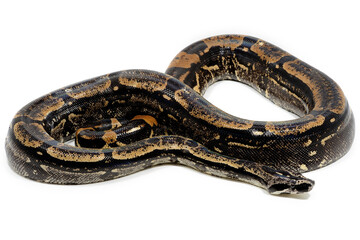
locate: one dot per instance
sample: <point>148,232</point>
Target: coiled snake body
<point>146,118</point>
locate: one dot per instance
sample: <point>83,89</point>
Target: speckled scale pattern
<point>169,122</point>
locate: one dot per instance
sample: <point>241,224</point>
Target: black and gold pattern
<point>131,120</point>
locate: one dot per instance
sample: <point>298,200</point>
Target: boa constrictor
<point>131,120</point>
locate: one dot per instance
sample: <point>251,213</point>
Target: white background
<point>47,45</point>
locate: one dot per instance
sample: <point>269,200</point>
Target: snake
<point>131,120</point>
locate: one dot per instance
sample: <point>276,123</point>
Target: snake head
<point>285,182</point>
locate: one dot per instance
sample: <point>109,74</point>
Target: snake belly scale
<point>168,121</point>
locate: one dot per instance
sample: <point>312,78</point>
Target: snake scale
<point>131,120</point>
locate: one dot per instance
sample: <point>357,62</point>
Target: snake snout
<point>283,188</point>
<point>283,182</point>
